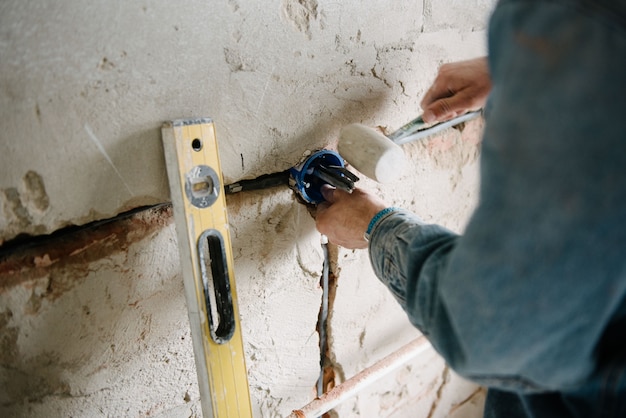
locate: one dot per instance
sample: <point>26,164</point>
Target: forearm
<point>481,310</point>
<point>405,253</point>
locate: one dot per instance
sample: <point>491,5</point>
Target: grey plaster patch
<point>22,208</point>
<point>34,194</point>
<point>14,210</point>
<point>236,62</point>
<point>300,13</point>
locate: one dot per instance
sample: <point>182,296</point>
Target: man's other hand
<point>459,87</point>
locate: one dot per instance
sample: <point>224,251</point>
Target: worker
<point>531,300</point>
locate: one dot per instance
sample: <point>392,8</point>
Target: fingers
<point>458,88</point>
<point>449,107</point>
<point>438,111</point>
<point>344,217</point>
<point>323,220</point>
<point>333,195</point>
<point>439,102</point>
<point>431,95</point>
<point>442,109</point>
<point>328,193</point>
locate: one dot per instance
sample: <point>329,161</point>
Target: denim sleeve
<point>525,297</point>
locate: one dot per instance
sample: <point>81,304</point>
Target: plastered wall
<point>93,320</point>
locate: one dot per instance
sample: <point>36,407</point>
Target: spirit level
<point>197,193</point>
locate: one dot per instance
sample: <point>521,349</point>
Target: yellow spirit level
<point>197,193</point>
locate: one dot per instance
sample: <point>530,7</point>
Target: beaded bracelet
<point>377,218</point>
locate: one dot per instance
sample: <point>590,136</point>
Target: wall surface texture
<point>93,319</point>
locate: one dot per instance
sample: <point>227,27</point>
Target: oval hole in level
<point>216,284</point>
<point>196,144</point>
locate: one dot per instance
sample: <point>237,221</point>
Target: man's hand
<point>458,88</point>
<point>344,217</point>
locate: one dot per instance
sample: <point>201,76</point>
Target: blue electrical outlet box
<point>317,169</point>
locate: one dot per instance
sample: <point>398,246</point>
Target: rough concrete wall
<point>94,322</point>
<point>85,86</point>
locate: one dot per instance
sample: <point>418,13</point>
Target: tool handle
<point>407,129</point>
<point>417,129</point>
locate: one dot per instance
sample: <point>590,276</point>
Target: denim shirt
<point>531,300</point>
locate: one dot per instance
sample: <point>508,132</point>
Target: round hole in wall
<point>196,144</point>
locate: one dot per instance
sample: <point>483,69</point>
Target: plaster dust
<point>24,207</point>
<point>300,13</point>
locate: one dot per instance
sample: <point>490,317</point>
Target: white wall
<point>100,328</point>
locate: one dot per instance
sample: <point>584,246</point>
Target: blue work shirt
<point>530,301</point>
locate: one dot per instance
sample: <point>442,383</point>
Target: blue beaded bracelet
<point>377,218</point>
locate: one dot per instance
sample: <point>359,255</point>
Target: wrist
<point>376,219</point>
